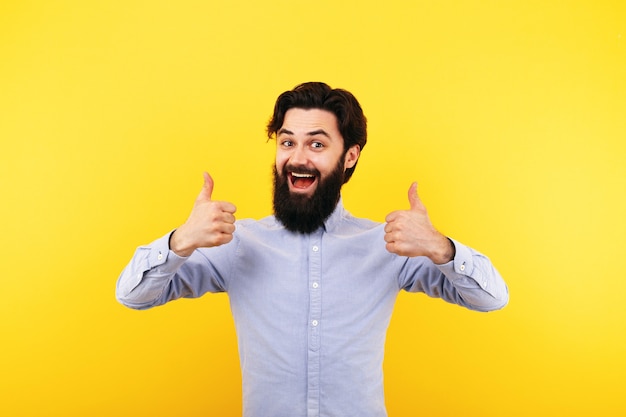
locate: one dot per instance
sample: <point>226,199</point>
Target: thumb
<point>414,199</point>
<point>207,188</point>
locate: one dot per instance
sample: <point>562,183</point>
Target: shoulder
<point>251,227</point>
<point>359,222</point>
<point>347,224</point>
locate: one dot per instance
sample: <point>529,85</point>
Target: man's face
<point>308,148</point>
<point>310,162</point>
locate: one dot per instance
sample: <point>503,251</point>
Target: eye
<point>317,145</point>
<point>286,143</point>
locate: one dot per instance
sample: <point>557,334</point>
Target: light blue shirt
<point>311,311</point>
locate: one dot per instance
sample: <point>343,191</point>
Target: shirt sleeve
<point>156,275</point>
<point>469,280</point>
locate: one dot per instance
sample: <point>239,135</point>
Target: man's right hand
<point>211,223</point>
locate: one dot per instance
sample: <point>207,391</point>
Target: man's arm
<point>151,278</point>
<point>461,275</point>
<point>143,282</point>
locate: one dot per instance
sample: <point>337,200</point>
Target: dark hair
<point>351,121</point>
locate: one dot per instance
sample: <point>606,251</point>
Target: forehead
<point>303,121</point>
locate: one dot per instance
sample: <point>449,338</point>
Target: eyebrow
<point>311,133</point>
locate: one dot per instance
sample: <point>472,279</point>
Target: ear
<point>352,156</point>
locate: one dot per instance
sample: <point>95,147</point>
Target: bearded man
<point>311,288</point>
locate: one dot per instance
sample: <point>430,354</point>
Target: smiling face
<point>310,166</point>
<point>308,148</point>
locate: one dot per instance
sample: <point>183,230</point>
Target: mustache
<point>301,169</point>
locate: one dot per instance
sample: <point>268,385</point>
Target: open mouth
<point>301,181</point>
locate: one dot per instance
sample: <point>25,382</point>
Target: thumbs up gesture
<point>410,233</point>
<point>211,223</point>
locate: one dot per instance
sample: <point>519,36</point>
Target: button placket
<point>315,295</point>
<point>314,324</point>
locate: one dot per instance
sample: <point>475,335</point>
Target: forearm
<point>143,283</point>
<point>179,245</point>
<point>477,283</point>
<point>443,252</point>
<point>156,274</point>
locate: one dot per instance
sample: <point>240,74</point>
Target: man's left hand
<point>410,233</point>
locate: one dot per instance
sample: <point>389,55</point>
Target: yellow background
<point>511,115</point>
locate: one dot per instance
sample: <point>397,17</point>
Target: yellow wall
<point>511,115</point>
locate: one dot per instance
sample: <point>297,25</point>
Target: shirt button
<point>160,256</point>
<point>316,248</point>
<point>462,267</point>
<point>315,285</point>
<point>314,323</point>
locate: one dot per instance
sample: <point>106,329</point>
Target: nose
<point>298,157</point>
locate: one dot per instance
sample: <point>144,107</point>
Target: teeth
<point>295,174</point>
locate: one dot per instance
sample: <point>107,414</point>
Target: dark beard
<point>304,214</point>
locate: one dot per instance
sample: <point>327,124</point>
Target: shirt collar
<point>334,220</point>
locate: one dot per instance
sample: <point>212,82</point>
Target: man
<point>311,288</point>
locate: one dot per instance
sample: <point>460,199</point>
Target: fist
<point>211,223</point>
<point>410,233</point>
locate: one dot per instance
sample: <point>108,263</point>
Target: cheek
<point>279,160</point>
<point>280,164</point>
<point>326,168</point>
